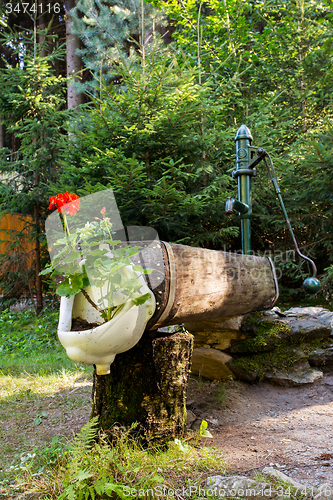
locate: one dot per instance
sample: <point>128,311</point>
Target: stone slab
<point>299,374</point>
<point>210,363</point>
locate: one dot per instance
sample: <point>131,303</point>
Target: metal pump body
<point>247,157</point>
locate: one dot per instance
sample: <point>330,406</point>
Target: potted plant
<point>100,286</point>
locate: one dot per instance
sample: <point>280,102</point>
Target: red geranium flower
<point>67,203</point>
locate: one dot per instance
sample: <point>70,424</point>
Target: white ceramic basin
<point>99,346</point>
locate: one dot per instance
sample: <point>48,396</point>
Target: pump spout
<point>235,205</point>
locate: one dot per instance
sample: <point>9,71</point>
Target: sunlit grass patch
<point>39,389</point>
<point>29,385</point>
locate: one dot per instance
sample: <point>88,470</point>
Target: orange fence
<point>14,231</point>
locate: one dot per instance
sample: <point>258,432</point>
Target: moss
<point>283,356</point>
<point>265,333</point>
<point>267,362</point>
<point>253,318</point>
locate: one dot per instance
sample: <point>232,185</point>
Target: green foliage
<point>41,459</point>
<point>327,285</point>
<point>279,51</point>
<point>111,31</point>
<point>160,123</point>
<point>162,134</point>
<point>23,331</point>
<point>96,468</point>
<point>32,101</point>
<point>313,190</point>
<point>203,430</point>
<point>93,469</point>
<point>144,139</point>
<point>277,59</point>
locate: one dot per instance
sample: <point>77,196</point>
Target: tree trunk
<point>39,285</point>
<point>2,134</point>
<point>73,60</point>
<point>44,18</point>
<point>147,385</point>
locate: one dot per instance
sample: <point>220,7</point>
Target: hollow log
<point>196,284</point>
<point>146,385</point>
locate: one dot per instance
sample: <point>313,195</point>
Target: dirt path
<point>289,428</point>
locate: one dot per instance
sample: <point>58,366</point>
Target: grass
<point>126,467</point>
<point>45,403</point>
<point>36,380</point>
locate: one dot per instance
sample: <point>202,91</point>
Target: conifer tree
<point>111,30</point>
<point>31,101</point>
<point>143,138</point>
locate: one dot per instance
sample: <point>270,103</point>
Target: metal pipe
<point>233,204</point>
<point>243,141</point>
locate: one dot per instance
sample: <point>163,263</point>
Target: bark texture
<point>204,284</point>
<point>2,133</point>
<point>147,385</point>
<point>73,61</point>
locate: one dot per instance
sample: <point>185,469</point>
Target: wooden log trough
<point>193,284</point>
<point>148,383</point>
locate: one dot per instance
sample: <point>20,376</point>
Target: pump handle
<point>310,285</point>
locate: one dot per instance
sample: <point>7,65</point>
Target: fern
<point>83,482</point>
<point>83,441</point>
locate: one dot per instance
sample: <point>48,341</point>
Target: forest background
<point>146,99</point>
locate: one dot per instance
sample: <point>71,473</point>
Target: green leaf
<point>83,474</point>
<point>64,290</point>
<point>45,271</point>
<point>182,446</point>
<point>141,300</point>
<point>137,267</point>
<point>85,281</point>
<point>203,430</point>
<point>76,283</point>
<point>98,252</point>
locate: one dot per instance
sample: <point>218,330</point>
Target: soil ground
<point>288,428</point>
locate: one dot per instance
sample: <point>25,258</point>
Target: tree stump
<point>147,385</point>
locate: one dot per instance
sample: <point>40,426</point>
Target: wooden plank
<point>21,256</point>
<point>10,224</point>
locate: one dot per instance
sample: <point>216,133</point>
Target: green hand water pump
<point>247,157</point>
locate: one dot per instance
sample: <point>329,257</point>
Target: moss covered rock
<point>264,332</point>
